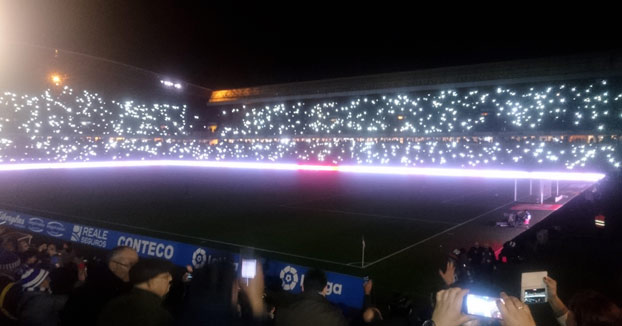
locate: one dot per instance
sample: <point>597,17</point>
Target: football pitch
<point>407,223</point>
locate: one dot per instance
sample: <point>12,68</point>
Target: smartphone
<point>483,306</point>
<point>533,289</point>
<point>249,267</point>
<point>55,260</point>
<point>188,277</point>
<point>534,295</point>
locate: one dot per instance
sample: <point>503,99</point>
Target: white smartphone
<point>483,306</point>
<point>249,268</point>
<point>533,289</point>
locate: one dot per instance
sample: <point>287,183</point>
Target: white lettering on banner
<point>331,288</point>
<point>151,251</point>
<point>95,233</point>
<point>160,248</point>
<point>334,288</point>
<point>89,236</point>
<point>146,247</point>
<point>12,220</point>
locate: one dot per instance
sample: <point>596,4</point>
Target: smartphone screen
<point>249,267</point>
<point>483,306</point>
<point>533,289</point>
<point>535,295</point>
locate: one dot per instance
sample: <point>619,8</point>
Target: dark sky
<point>226,47</point>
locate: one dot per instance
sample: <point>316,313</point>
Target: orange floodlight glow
<point>56,79</point>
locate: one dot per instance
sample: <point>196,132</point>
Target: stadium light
<point>168,83</point>
<point>441,172</point>
<point>56,79</point>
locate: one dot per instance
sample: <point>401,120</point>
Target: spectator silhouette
<point>37,305</point>
<point>10,292</point>
<point>151,279</point>
<point>310,308</point>
<point>590,308</point>
<point>212,296</point>
<point>217,297</point>
<point>103,284</point>
<point>30,259</point>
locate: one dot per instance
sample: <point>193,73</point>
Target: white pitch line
<point>435,235</point>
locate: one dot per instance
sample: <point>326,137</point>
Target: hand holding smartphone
<point>533,289</point>
<point>483,306</point>
<point>249,268</point>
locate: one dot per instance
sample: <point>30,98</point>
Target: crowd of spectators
<point>463,152</point>
<point>459,152</point>
<point>573,125</point>
<point>45,284</point>
<point>576,106</point>
<point>63,125</point>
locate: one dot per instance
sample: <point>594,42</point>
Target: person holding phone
<point>213,296</point>
<point>310,308</point>
<point>514,312</point>
<point>557,305</point>
<point>582,310</point>
<point>448,309</point>
<point>449,303</point>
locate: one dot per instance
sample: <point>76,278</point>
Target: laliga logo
<point>289,278</point>
<point>199,258</point>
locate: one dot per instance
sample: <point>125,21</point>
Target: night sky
<point>227,47</point>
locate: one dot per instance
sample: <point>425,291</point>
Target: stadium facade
<point>603,65</point>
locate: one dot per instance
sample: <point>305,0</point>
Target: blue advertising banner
<point>35,224</point>
<point>343,289</point>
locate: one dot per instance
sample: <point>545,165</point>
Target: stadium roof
<point>498,73</point>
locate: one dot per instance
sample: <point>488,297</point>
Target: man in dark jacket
<point>311,308</point>
<point>102,285</point>
<point>143,304</point>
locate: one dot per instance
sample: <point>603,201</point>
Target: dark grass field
<point>312,218</point>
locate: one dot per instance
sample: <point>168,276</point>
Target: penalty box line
<point>230,244</point>
<point>436,235</point>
